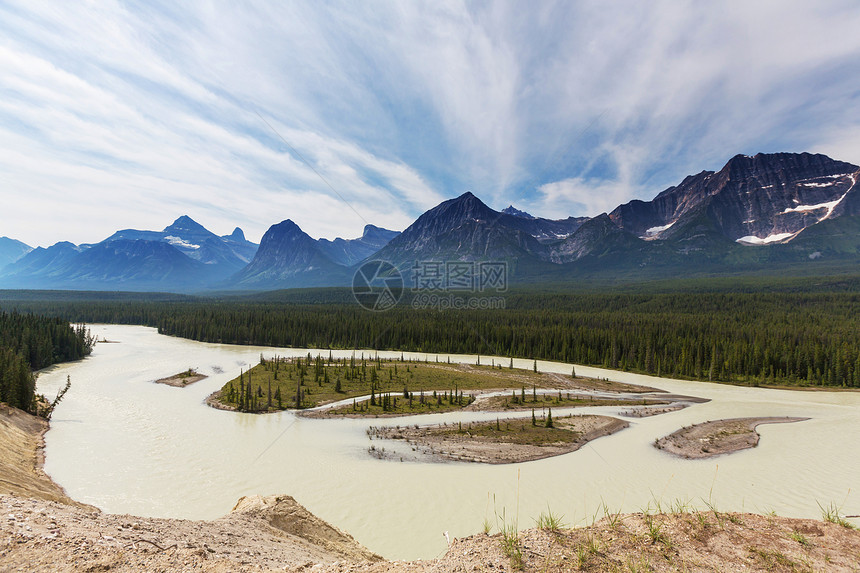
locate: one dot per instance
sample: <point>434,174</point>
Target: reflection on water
<point>122,443</point>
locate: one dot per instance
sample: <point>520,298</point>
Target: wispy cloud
<point>118,115</point>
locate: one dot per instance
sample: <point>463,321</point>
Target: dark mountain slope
<point>289,258</point>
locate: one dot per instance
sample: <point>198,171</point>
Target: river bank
<point>22,441</point>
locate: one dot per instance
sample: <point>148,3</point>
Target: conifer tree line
<point>29,342</point>
<point>810,338</point>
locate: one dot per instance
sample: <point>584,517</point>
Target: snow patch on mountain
<point>829,205</point>
<point>179,242</point>
<point>654,231</point>
<point>775,238</point>
<point>818,184</point>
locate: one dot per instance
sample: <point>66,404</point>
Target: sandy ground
<point>178,381</point>
<point>648,411</point>
<point>681,542</point>
<point>716,437</point>
<point>440,442</point>
<point>484,402</point>
<point>566,382</point>
<point>260,534</point>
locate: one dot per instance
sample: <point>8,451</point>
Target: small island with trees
<point>373,387</point>
<point>182,379</point>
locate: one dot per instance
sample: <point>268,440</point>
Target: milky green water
<point>126,445</point>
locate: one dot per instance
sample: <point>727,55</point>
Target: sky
<point>117,115</point>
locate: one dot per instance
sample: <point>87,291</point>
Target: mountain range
<point>762,213</point>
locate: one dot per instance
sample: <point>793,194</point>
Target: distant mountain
<point>350,251</point>
<point>11,250</point>
<point>39,266</point>
<point>289,258</point>
<point>465,229</point>
<point>184,256</point>
<point>546,230</point>
<point>229,253</point>
<point>111,265</point>
<point>763,199</point>
<point>241,247</point>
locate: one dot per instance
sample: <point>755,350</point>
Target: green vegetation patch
<point>29,342</point>
<point>395,386</point>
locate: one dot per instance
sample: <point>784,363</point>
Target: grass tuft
<point>800,538</point>
<point>510,540</point>
<point>549,521</point>
<point>487,526</point>
<point>833,514</point>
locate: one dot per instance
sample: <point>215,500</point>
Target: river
<point>127,445</point>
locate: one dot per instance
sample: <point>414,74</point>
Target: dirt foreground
<point>679,542</point>
<point>260,534</point>
<point>717,437</point>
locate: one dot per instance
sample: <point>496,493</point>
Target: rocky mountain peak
<point>511,210</point>
<point>186,224</point>
<point>237,235</point>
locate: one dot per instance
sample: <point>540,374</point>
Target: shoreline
<point>717,437</point>
<point>22,458</point>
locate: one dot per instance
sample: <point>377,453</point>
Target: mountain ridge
<point>755,213</point>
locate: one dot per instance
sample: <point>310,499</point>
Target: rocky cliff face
<point>596,236</point>
<point>761,199</point>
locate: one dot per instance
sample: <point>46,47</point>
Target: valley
<point>470,286</point>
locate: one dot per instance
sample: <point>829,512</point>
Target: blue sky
<point>128,114</point>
